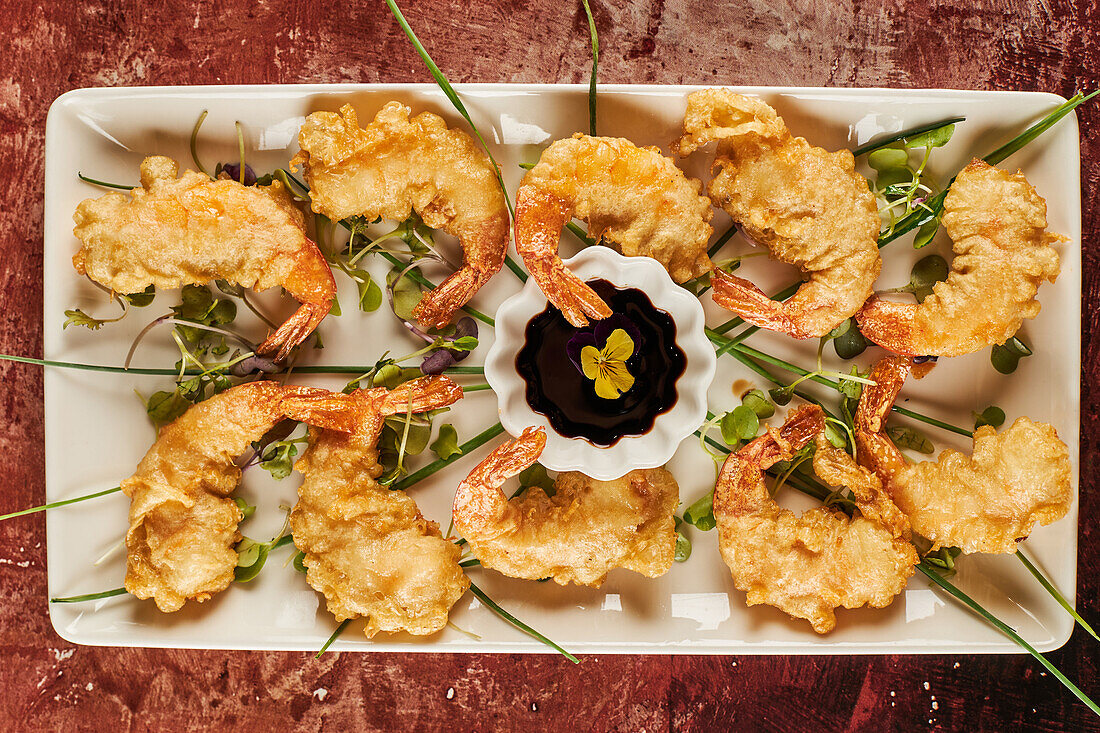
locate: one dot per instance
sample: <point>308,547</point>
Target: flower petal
<point>577,342</point>
<point>605,389</point>
<point>618,375</point>
<point>620,346</point>
<point>590,361</point>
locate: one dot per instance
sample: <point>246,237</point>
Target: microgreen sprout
<point>992,416</point>
<point>1006,357</point>
<point>683,544</point>
<point>252,555</point>
<point>56,504</point>
<point>194,144</point>
<point>923,276</point>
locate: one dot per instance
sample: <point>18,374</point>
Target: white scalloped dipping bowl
<point>649,450</point>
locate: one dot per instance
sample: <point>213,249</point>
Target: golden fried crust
<point>987,502</point>
<point>808,206</point>
<point>398,164</point>
<point>183,526</point>
<point>807,566</point>
<point>993,499</point>
<point>177,231</point>
<point>584,530</point>
<point>997,223</point>
<point>634,197</point>
<point>369,550</point>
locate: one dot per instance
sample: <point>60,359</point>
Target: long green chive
<point>97,182</point>
<point>425,282</point>
<point>1005,629</point>
<point>452,95</point>
<point>721,242</point>
<point>469,388</point>
<point>93,367</point>
<point>1038,128</point>
<point>882,142</point>
<point>90,596</point>
<point>595,65</point>
<point>335,635</point>
<point>194,145</point>
<point>1052,591</point>
<point>56,504</point>
<point>517,623</point>
<point>472,444</point>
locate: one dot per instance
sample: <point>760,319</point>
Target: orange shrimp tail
<point>479,499</point>
<point>875,450</point>
<point>888,324</point>
<point>420,395</point>
<point>751,304</point>
<point>321,408</point>
<point>540,217</point>
<point>438,306</point>
<point>310,282</point>
<point>734,492</point>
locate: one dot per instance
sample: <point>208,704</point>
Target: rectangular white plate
<point>96,428</point>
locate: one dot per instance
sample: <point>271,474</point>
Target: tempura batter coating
<point>396,165</point>
<point>191,230</point>
<point>808,206</point>
<point>368,549</point>
<point>997,223</point>
<point>633,197</point>
<point>807,566</point>
<point>584,530</point>
<point>183,525</point>
<point>987,502</point>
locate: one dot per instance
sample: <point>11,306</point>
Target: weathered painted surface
<point>49,48</point>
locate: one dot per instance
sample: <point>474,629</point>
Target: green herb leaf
<point>741,423</point>
<point>446,445</point>
<point>78,317</point>
<point>911,439</point>
<point>1006,357</point>
<point>701,513</point>
<point>536,475</point>
<point>780,395</point>
<point>936,138</point>
<point>164,407</point>
<point>299,562</point>
<point>465,343</point>
<point>992,416</point>
<point>848,343</point>
<point>246,509</point>
<point>926,233</point>
<point>278,458</point>
<point>392,375</point>
<point>142,299</point>
<point>888,159</point>
<point>834,435</point>
<point>925,274</point>
<point>251,558</point>
<point>683,544</point>
<point>759,403</point>
<point>370,295</point>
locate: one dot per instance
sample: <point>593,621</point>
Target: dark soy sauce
<point>558,390</point>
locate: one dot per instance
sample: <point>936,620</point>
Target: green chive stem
<point>882,142</point>
<point>495,608</point>
<point>104,184</point>
<point>472,444</point>
<point>90,596</point>
<point>1049,587</point>
<point>595,66</point>
<point>335,635</point>
<point>56,504</point>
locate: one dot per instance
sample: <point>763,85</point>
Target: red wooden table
<point>49,48</point>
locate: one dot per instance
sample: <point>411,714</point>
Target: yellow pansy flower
<point>606,367</point>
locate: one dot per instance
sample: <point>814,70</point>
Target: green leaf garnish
<point>740,423</point>
<point>992,416</point>
<point>911,439</point>
<point>77,317</point>
<point>446,445</point>
<point>683,544</point>
<point>1006,357</point>
<point>701,512</point>
<point>759,403</point>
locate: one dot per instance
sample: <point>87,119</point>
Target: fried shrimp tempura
<point>634,197</point>
<point>183,525</point>
<point>368,549</point>
<point>584,530</point>
<point>808,206</point>
<point>1003,252</point>
<point>988,502</point>
<point>396,165</point>
<point>808,566</point>
<point>191,230</point>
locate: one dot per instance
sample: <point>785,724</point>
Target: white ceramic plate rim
<point>57,235</point>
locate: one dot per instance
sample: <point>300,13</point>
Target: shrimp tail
<point>540,217</point>
<point>310,282</point>
<point>888,324</point>
<point>420,395</point>
<point>739,489</point>
<point>321,408</point>
<point>479,500</point>
<point>438,306</point>
<point>875,450</point>
<point>751,304</point>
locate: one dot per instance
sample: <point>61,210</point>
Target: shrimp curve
<point>368,549</point>
<point>987,502</point>
<point>809,207</point>
<point>997,223</point>
<point>634,197</point>
<point>191,230</point>
<point>807,566</point>
<point>578,534</point>
<point>396,165</point>
<point>183,525</point>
